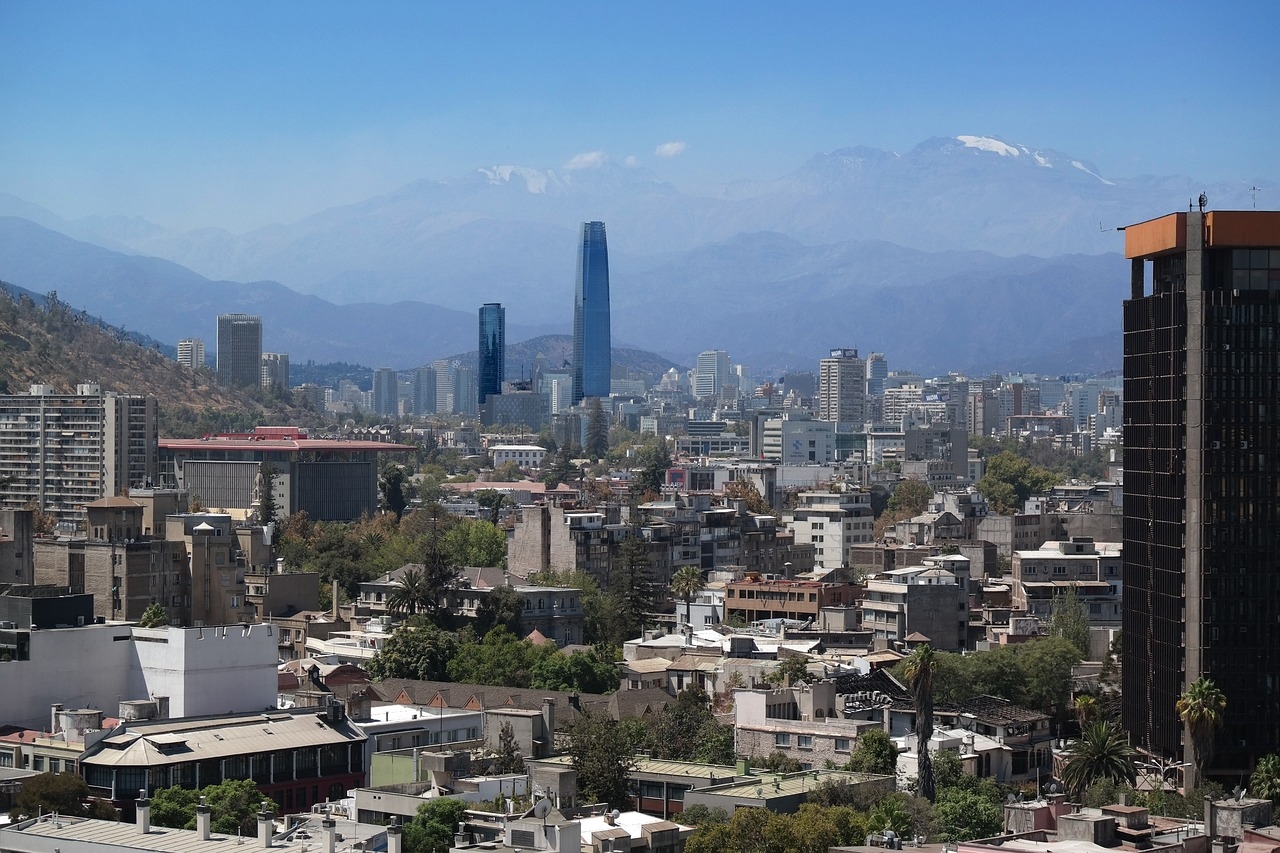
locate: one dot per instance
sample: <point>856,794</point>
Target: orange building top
<point>1222,229</point>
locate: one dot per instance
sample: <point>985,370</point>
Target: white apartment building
<point>842,387</point>
<point>832,522</point>
<point>796,438</point>
<point>191,352</point>
<point>66,450</point>
<point>524,455</point>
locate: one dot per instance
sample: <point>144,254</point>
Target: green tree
<point>602,755</point>
<point>233,807</point>
<point>790,670</point>
<point>631,584</point>
<point>560,469</point>
<point>875,753</point>
<point>715,744</point>
<point>910,498</point>
<point>267,510</point>
<point>1047,664</point>
<point>392,485</point>
<point>418,650</point>
<point>501,658</point>
<point>1086,709</point>
<point>410,594</point>
<point>473,542</point>
<point>1265,781</point>
<point>686,583</point>
<point>1101,752</point>
<point>961,815</point>
<point>509,759</point>
<point>493,501</point>
<point>64,793</point>
<point>153,617</point>
<point>779,762</point>
<point>652,462</point>
<point>1069,620</point>
<point>919,670</point>
<point>674,732</point>
<point>1201,709</point>
<point>433,828</point>
<point>581,672</point>
<point>501,606</point>
<point>1011,479</point>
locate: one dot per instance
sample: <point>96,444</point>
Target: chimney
<point>204,818</point>
<point>548,725</point>
<point>330,829</point>
<point>144,812</point>
<point>266,824</point>
<point>395,836</point>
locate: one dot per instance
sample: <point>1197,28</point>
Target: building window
<point>842,744</point>
<point>804,741</point>
<point>782,739</point>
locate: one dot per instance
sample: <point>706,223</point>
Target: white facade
<point>203,671</point>
<point>524,455</point>
<point>832,522</point>
<point>842,387</point>
<point>712,373</point>
<point>797,439</point>
<point>191,352</point>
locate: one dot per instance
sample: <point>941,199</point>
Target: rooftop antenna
<point>1253,194</point>
<point>1204,202</point>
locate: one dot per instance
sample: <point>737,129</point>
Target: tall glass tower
<point>591,344</point>
<point>493,349</point>
<point>240,350</point>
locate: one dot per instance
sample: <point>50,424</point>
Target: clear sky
<point>238,114</point>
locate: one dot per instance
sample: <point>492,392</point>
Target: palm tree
<point>1201,709</point>
<point>411,593</point>
<point>1086,708</point>
<point>918,670</point>
<point>1102,752</point>
<point>686,583</point>
<point>1265,781</point>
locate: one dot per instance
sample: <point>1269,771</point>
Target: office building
<point>842,387</point>
<point>424,391</point>
<point>386,392</point>
<point>191,352</point>
<point>591,335</point>
<point>275,370</point>
<point>63,451</point>
<point>711,374</point>
<point>1202,480</point>
<point>239,350</point>
<point>877,373</point>
<point>493,349</point>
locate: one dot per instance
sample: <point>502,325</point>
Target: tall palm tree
<point>1086,708</point>
<point>411,593</point>
<point>919,669</point>
<point>1102,752</point>
<point>1202,708</point>
<point>686,583</point>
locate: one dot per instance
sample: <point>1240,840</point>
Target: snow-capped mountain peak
<point>987,143</point>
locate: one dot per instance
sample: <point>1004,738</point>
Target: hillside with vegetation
<point>43,340</point>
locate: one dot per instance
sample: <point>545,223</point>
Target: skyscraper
<point>842,387</point>
<point>275,370</point>
<point>1202,480</point>
<point>712,374</point>
<point>240,350</point>
<point>591,342</point>
<point>424,391</point>
<point>191,352</point>
<point>493,349</point>
<point>386,392</point>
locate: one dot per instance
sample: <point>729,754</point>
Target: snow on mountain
<point>986,143</point>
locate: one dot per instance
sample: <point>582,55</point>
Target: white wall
<point>202,671</point>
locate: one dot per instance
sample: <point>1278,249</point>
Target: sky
<point>239,114</point>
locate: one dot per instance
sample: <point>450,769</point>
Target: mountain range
<point>965,253</point>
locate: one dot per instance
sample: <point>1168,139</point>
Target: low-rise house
<point>784,792</point>
<point>803,721</point>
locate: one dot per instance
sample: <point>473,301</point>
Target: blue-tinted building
<point>591,343</point>
<point>493,349</point>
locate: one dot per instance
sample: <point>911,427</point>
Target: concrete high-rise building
<point>842,387</point>
<point>424,391</point>
<point>386,392</point>
<point>711,374</point>
<point>63,451</point>
<point>877,373</point>
<point>191,352</point>
<point>446,375</point>
<point>240,350</point>
<point>592,353</point>
<point>466,399</point>
<point>493,349</point>
<point>275,369</point>
<point>1202,480</point>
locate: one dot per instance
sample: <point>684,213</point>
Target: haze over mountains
<point>964,253</point>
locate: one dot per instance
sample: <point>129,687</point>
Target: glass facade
<point>240,350</point>
<point>591,342</point>
<point>493,349</point>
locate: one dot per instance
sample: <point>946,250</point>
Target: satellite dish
<point>615,814</point>
<point>542,808</point>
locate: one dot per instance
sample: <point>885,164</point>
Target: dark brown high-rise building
<point>1202,479</point>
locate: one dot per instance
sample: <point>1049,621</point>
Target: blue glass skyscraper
<point>493,349</point>
<point>591,343</point>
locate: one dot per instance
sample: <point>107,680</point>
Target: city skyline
<point>225,115</point>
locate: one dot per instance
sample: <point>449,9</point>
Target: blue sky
<point>239,114</point>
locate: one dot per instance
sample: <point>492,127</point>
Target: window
<point>842,744</point>
<point>805,741</point>
<point>782,739</point>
